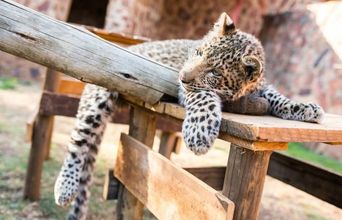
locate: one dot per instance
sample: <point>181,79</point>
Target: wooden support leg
<point>40,140</point>
<point>178,145</point>
<point>167,143</point>
<point>51,84</point>
<point>51,120</point>
<point>244,180</point>
<point>142,127</point>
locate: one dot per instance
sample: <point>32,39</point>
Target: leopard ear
<point>224,24</point>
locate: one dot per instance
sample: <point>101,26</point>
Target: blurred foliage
<point>298,150</point>
<point>8,83</point>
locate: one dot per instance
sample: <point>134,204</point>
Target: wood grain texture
<point>213,176</point>
<point>29,126</point>
<point>117,37</point>
<point>262,128</point>
<point>142,127</point>
<point>81,54</point>
<point>316,181</point>
<point>167,143</point>
<point>40,140</point>
<point>70,86</point>
<point>244,180</point>
<point>167,191</point>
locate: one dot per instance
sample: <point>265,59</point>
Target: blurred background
<point>303,45</point>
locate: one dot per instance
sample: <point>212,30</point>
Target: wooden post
<point>41,141</point>
<point>37,154</point>
<point>244,180</point>
<point>142,127</point>
<point>167,143</point>
<point>51,84</point>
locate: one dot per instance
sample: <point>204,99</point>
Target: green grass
<point>8,83</point>
<point>298,150</point>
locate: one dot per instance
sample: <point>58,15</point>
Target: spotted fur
<point>224,66</point>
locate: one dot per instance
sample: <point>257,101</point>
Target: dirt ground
<point>279,201</point>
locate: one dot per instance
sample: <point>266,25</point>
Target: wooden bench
<point>252,138</point>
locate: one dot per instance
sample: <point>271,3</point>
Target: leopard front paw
<point>199,137</point>
<point>67,183</point>
<point>202,122</point>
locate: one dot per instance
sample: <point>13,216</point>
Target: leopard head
<point>227,61</point>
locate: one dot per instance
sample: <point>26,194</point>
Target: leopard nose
<point>183,77</point>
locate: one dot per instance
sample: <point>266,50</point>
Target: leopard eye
<point>214,73</point>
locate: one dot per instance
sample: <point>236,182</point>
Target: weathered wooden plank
<point>81,54</point>
<point>316,181</point>
<point>253,145</point>
<point>66,105</point>
<point>311,179</point>
<point>244,180</point>
<point>213,176</point>
<point>152,178</point>
<point>69,86</point>
<point>117,37</point>
<point>58,104</point>
<point>142,126</point>
<point>272,129</point>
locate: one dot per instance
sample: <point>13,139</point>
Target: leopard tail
<point>95,110</point>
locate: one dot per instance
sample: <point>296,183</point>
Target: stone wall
<point>304,57</point>
<point>191,19</point>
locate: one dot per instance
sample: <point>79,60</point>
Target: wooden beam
<point>58,104</point>
<point>168,191</point>
<point>244,180</point>
<point>258,130</point>
<point>309,178</point>
<point>71,86</point>
<point>313,180</point>
<point>316,181</point>
<point>66,105</point>
<point>117,37</point>
<point>81,54</point>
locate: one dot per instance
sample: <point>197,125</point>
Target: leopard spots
<point>285,108</point>
<point>202,122</point>
<point>225,65</point>
<point>227,61</point>
<point>95,108</point>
